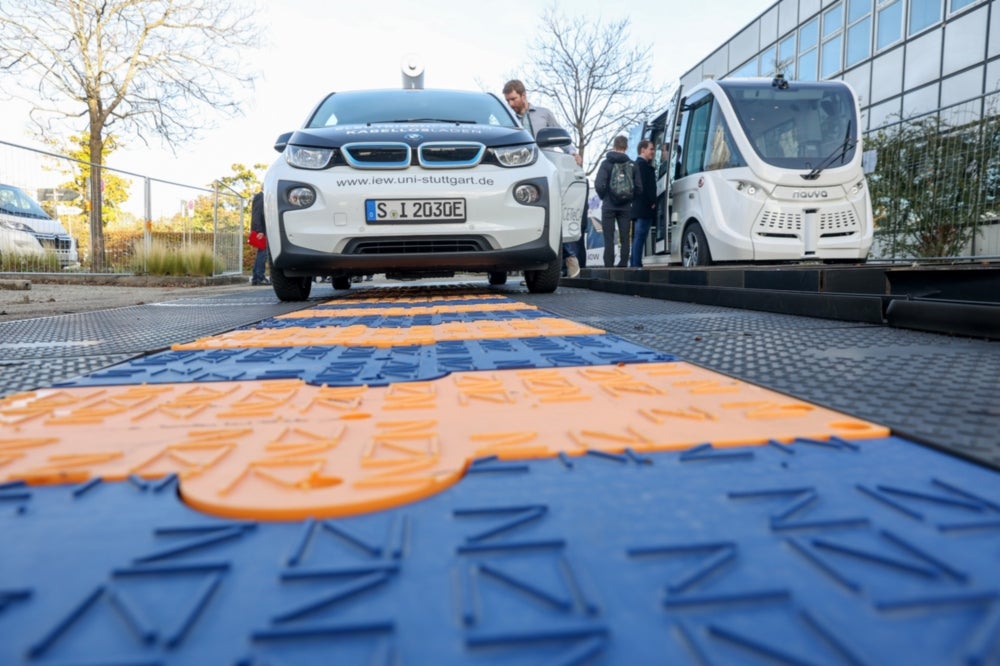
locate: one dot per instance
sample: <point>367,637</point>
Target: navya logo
<point>810,194</point>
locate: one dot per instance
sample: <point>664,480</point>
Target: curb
<point>120,280</point>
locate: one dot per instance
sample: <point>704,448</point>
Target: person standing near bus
<point>534,118</point>
<point>258,239</point>
<point>644,201</point>
<point>615,185</point>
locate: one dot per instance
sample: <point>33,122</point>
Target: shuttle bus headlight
<point>858,186</point>
<point>748,188</point>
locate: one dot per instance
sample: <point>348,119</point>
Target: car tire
<point>498,278</point>
<point>290,288</point>
<point>544,281</point>
<point>342,282</point>
<point>694,247</point>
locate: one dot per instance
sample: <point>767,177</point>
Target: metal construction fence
<point>148,225</point>
<point>935,185</point>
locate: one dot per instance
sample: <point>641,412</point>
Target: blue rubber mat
<point>869,552</point>
<point>351,366</point>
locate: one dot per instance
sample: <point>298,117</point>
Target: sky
<point>314,47</point>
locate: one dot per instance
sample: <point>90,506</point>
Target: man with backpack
<point>616,186</point>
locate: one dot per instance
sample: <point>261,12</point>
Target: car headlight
<point>19,226</point>
<point>301,197</point>
<point>516,156</point>
<point>302,157</point>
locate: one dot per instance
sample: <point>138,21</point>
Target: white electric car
<point>419,183</point>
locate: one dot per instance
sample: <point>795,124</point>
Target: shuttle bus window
<point>796,127</point>
<point>696,138</point>
<point>722,152</point>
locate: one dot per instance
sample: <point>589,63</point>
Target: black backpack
<point>621,183</point>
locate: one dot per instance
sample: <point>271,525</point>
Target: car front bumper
<point>332,236</point>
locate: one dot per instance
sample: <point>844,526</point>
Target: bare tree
<point>595,75</point>
<point>125,67</point>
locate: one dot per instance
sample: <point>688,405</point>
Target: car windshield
<point>799,126</point>
<point>14,201</point>
<point>411,106</point>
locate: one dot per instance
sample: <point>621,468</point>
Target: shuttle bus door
<point>663,136</point>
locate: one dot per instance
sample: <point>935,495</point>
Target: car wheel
<point>694,246</point>
<point>498,277</point>
<point>342,282</point>
<point>290,288</point>
<point>544,281</point>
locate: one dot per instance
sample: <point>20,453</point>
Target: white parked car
<point>20,243</point>
<point>21,216</point>
<point>419,183</point>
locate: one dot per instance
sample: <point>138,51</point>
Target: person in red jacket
<point>258,239</point>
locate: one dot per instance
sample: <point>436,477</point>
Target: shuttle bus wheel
<point>694,246</point>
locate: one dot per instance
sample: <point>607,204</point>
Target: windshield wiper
<point>839,151</point>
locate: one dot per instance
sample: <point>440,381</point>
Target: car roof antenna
<point>413,72</point>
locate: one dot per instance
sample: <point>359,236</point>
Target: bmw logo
<point>413,137</point>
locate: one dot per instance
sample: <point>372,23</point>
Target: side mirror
<point>282,142</point>
<point>553,137</point>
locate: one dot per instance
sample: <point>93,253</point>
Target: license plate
<point>414,210</point>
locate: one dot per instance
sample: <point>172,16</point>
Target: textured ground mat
<point>495,486</point>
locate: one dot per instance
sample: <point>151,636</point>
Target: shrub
<point>162,259</point>
<point>16,262</point>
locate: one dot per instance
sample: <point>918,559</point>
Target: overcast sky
<point>317,46</point>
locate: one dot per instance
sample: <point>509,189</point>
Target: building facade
<point>935,62</point>
<point>904,58</point>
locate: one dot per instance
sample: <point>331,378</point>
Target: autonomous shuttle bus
<point>760,170</point>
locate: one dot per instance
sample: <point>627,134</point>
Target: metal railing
<point>936,183</point>
<point>144,219</point>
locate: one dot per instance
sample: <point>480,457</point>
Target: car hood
<point>412,134</point>
<point>40,225</point>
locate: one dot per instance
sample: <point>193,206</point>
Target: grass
<point>14,262</point>
<point>159,259</point>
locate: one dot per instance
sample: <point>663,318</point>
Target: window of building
<point>768,61</point>
<point>833,20</point>
<point>746,69</point>
<point>961,4</point>
<point>858,9</point>
<point>890,24</point>
<point>831,62</point>
<point>786,53</point>
<point>808,35</point>
<point>859,40</point>
<point>808,52</point>
<point>924,13</point>
<point>807,66</point>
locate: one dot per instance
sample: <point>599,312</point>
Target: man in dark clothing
<point>257,227</point>
<point>644,202</point>
<point>615,213</point>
